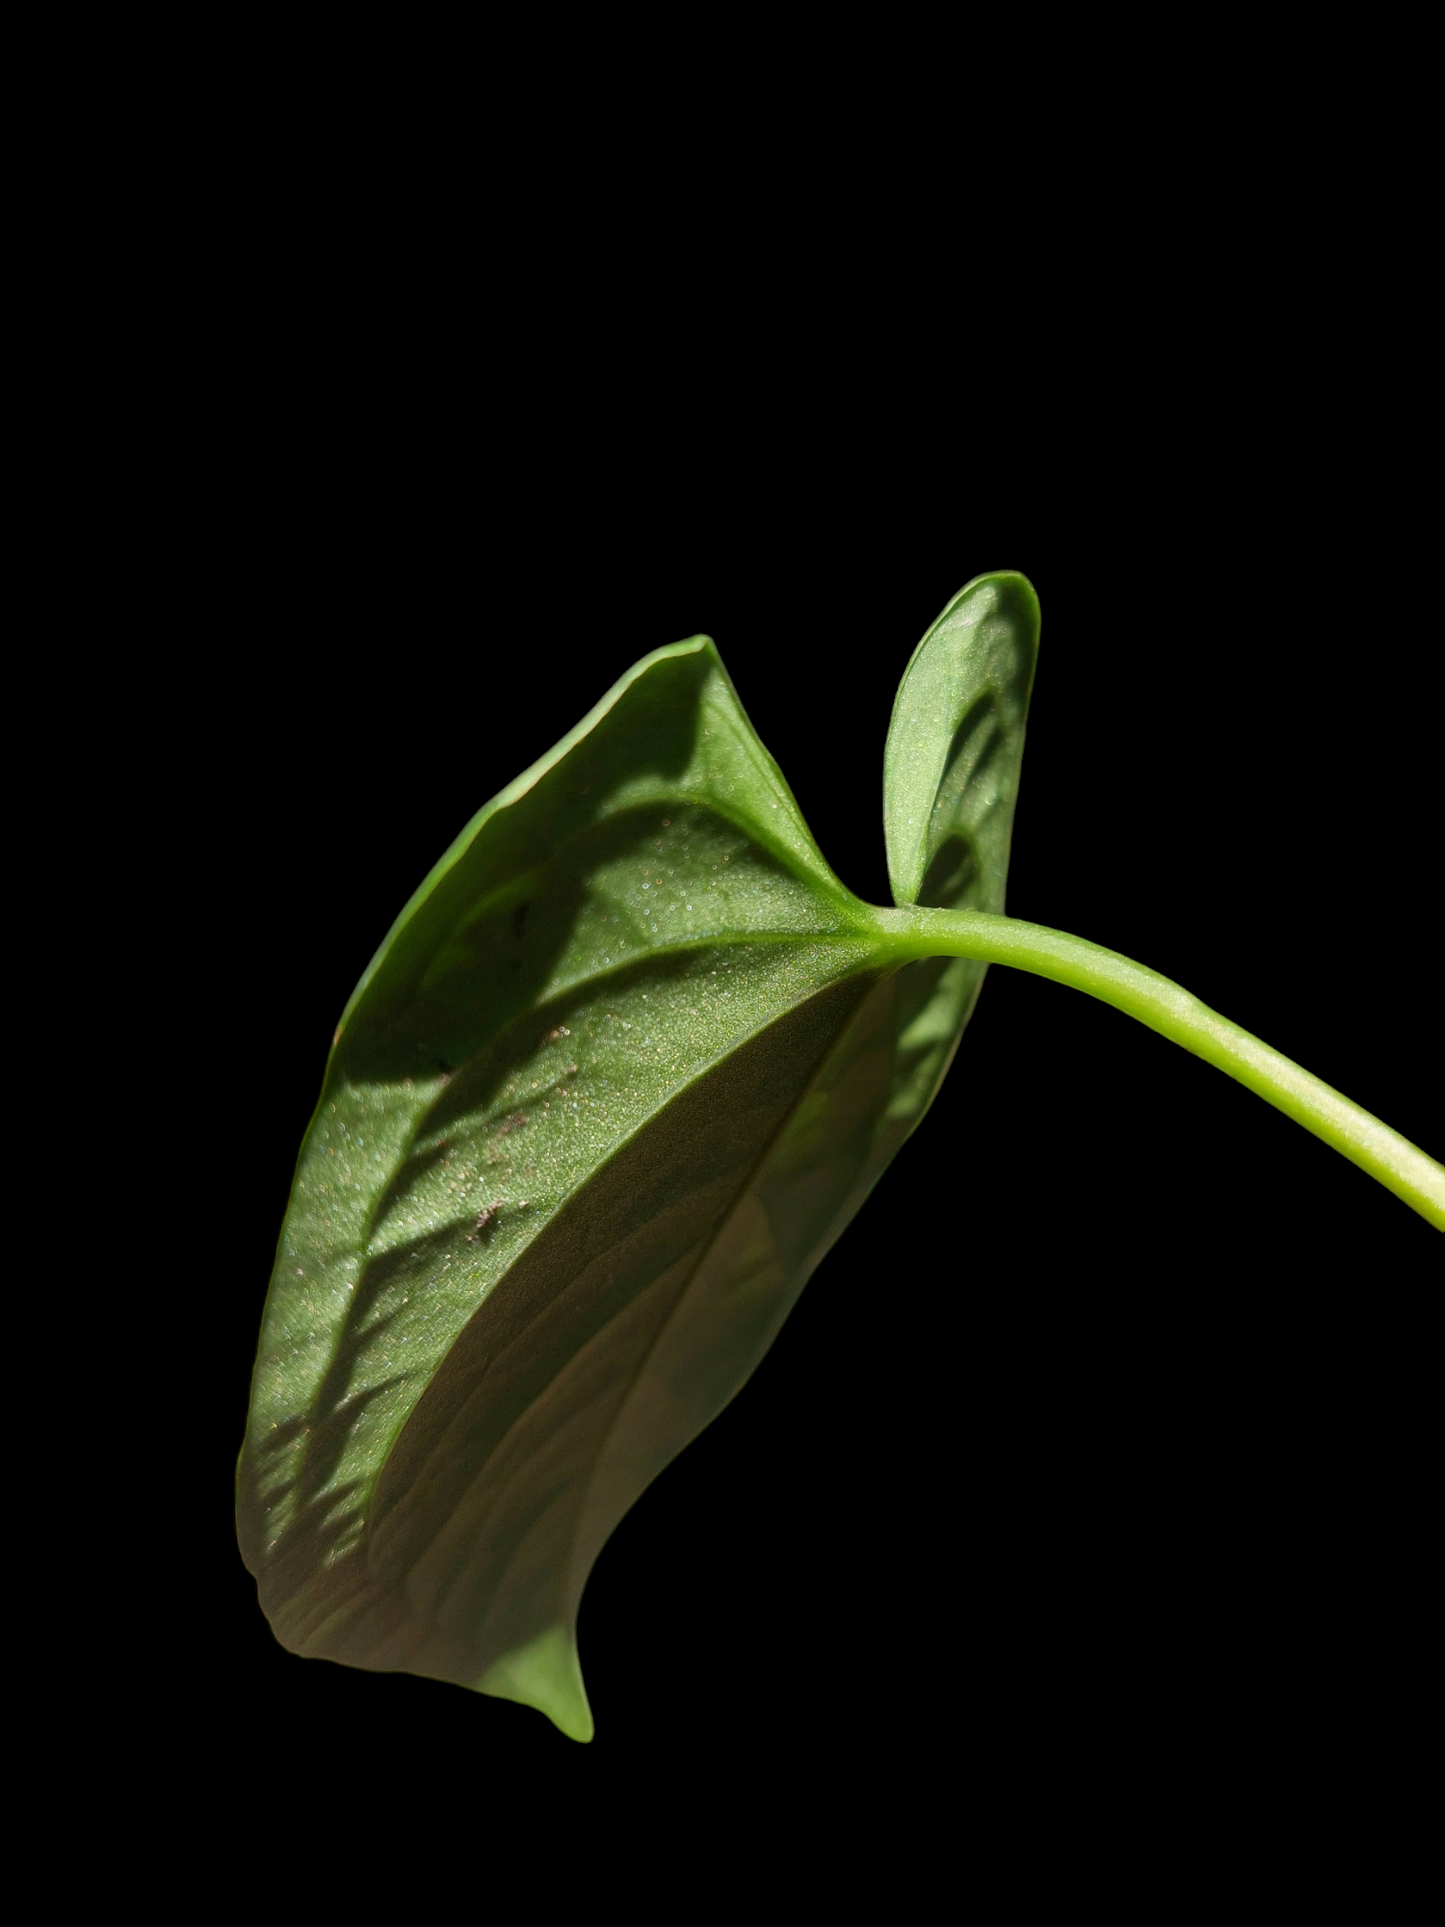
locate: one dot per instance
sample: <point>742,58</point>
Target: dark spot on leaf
<point>953,869</point>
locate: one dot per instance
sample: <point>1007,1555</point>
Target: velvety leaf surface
<point>955,745</point>
<point>622,1071</point>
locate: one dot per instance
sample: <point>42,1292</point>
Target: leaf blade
<point>449,1134</point>
<point>955,747</point>
<point>616,1080</point>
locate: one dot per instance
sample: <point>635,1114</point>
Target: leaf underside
<point>622,1071</point>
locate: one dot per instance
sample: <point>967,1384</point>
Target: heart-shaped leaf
<point>620,1074</point>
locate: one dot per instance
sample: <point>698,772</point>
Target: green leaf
<point>950,783</point>
<point>622,1071</point>
<point>951,767</point>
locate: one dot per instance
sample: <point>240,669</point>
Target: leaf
<point>951,767</point>
<point>623,1069</point>
<point>950,783</point>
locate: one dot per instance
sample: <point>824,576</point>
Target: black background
<point>1090,1463</point>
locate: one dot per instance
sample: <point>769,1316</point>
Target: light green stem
<point>1167,1008</point>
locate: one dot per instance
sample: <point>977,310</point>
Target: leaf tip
<point>545,1673</point>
